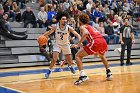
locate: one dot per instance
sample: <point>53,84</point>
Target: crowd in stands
<point>105,15</point>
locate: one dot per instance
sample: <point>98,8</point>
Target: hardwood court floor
<point>126,79</point>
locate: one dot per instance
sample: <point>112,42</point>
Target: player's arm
<point>49,32</point>
<point>75,33</point>
<point>84,35</point>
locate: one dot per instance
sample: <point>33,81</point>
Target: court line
<point>27,72</point>
<point>11,89</point>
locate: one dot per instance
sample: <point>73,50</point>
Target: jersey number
<point>61,36</point>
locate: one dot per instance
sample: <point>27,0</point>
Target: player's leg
<point>105,62</point>
<point>67,52</point>
<point>56,52</point>
<point>53,61</point>
<point>69,60</point>
<point>83,77</point>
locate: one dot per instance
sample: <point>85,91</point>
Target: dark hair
<point>7,16</point>
<point>84,18</point>
<point>126,18</point>
<point>60,14</point>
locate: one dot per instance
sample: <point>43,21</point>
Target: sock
<point>82,73</point>
<point>50,70</point>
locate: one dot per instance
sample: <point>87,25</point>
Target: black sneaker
<point>122,63</point>
<point>81,79</point>
<point>109,74</point>
<point>129,63</point>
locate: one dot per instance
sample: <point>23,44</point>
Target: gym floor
<point>126,79</point>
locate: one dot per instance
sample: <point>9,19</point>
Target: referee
<point>126,38</point>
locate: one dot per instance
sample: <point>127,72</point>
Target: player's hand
<point>74,46</point>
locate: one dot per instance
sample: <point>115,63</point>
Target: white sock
<point>51,70</point>
<point>82,73</point>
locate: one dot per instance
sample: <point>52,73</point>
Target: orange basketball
<point>42,40</point>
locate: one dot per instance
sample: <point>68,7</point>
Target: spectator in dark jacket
<point>109,30</point>
<point>29,17</point>
<point>10,34</point>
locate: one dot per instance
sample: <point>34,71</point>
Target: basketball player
<point>62,33</point>
<point>96,46</point>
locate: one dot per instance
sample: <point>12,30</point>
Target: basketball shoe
<point>109,74</point>
<point>72,69</point>
<point>81,79</point>
<point>48,72</point>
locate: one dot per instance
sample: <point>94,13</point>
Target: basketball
<point>42,40</point>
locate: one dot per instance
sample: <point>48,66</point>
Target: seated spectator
<point>29,17</point>
<point>106,9</point>
<point>42,18</point>
<point>72,22</point>
<point>66,4</point>
<point>109,30</point>
<point>51,14</point>
<point>116,26</point>
<point>98,14</point>
<point>41,3</point>
<point>9,34</point>
<point>101,29</point>
<point>114,6</point>
<point>120,6</point>
<point>111,15</point>
<point>89,13</point>
<point>16,10</point>
<point>96,23</point>
<point>8,9</point>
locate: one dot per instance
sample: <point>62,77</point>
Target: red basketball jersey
<point>97,44</point>
<point>93,33</point>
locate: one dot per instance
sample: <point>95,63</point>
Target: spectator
<point>111,15</point>
<point>71,11</point>
<point>89,4</point>
<point>97,14</point>
<point>106,10</point>
<point>120,7</point>
<point>17,12</point>
<point>101,29</point>
<point>114,6</point>
<point>109,30</point>
<point>51,14</point>
<point>126,38</point>
<point>66,4</point>
<point>42,18</point>
<point>96,23</point>
<point>29,17</point>
<point>9,34</point>
<point>8,9</point>
<point>89,13</point>
<point>80,6</point>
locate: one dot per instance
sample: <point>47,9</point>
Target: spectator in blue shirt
<point>98,14</point>
<point>51,14</point>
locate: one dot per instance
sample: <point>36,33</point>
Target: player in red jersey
<point>96,46</point>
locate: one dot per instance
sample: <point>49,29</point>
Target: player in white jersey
<point>62,43</point>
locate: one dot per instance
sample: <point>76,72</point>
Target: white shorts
<point>64,48</point>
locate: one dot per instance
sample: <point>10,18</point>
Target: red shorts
<point>98,46</point>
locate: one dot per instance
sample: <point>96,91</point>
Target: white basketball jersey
<point>62,35</point>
